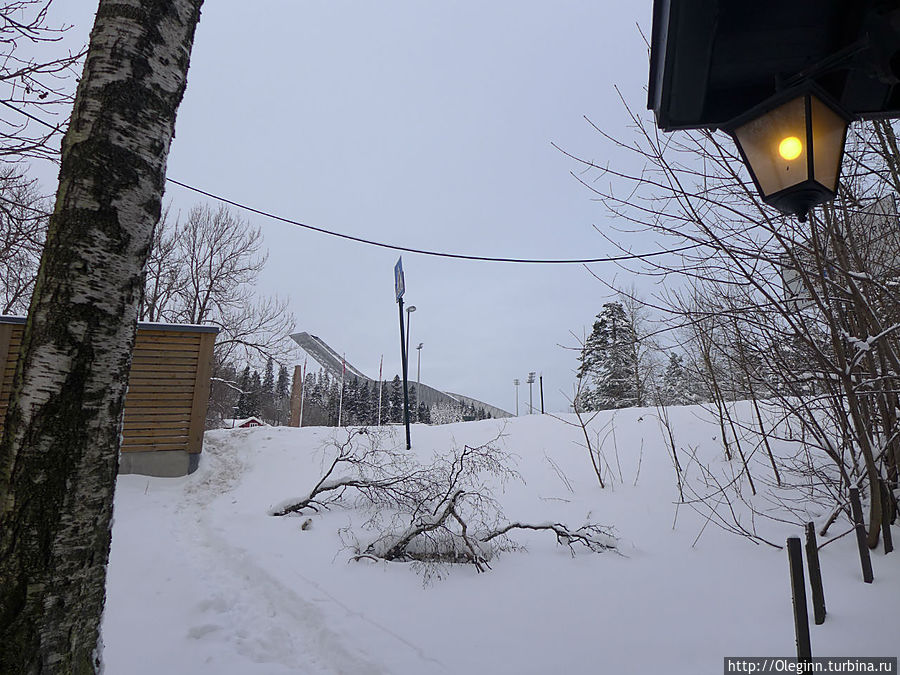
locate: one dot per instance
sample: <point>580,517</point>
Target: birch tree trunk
<point>59,453</point>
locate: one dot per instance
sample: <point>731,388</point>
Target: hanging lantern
<point>793,144</point>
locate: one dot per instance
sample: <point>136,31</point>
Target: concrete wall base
<point>162,464</point>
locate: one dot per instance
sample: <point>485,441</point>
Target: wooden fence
<point>168,389</point>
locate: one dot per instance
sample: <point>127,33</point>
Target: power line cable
<point>396,247</point>
<point>439,254</point>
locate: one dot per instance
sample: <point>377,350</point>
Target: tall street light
<point>516,383</point>
<point>409,311</point>
<point>530,382</point>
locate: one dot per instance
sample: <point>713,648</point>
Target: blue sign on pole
<point>399,285</point>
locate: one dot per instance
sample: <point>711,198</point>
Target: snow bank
<point>203,581</point>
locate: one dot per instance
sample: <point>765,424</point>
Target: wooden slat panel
<point>163,374</point>
<point>201,392</point>
<point>156,447</point>
<point>174,339</point>
<point>5,341</point>
<point>149,405</point>
<point>163,405</point>
<point>149,408</point>
<point>164,368</point>
<point>134,426</point>
<point>167,430</point>
<point>133,434</point>
<point>155,384</point>
<point>162,332</point>
<point>135,414</point>
<point>167,349</point>
<point>172,439</point>
<point>154,393</point>
<point>163,359</point>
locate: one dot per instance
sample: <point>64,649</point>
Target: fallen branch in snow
<point>444,512</point>
<point>594,537</point>
<point>388,478</point>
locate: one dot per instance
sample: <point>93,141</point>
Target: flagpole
<point>380,366</point>
<point>341,398</point>
<point>302,391</point>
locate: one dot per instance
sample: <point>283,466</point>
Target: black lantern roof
<point>711,60</point>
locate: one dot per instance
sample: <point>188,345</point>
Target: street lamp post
<point>409,311</point>
<point>792,145</point>
<point>399,290</point>
<point>530,382</point>
<point>516,383</point>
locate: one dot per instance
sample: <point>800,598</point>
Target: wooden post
<point>296,388</point>
<point>6,330</point>
<point>7,365</point>
<point>815,575</point>
<point>798,594</point>
<point>541,387</point>
<point>864,559</point>
<point>887,512</point>
<point>200,400</point>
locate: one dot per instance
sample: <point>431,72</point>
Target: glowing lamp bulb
<point>790,148</point>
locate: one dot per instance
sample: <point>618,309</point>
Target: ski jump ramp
<point>335,364</point>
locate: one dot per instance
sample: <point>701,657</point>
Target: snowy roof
<point>234,423</point>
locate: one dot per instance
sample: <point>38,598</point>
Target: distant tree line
<point>326,402</point>
<point>621,366</point>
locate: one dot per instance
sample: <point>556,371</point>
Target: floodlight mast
<point>530,382</point>
<point>516,383</point>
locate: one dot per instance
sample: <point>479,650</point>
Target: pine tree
<point>365,405</point>
<point>413,408</point>
<point>255,396</point>
<point>267,393</point>
<point>396,402</point>
<point>351,402</point>
<point>333,401</point>
<point>422,414</point>
<point>283,396</point>
<point>609,362</point>
<point>677,387</point>
<point>243,399</point>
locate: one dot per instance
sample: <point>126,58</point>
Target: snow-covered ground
<point>203,581</point>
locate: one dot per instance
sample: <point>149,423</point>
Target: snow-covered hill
<point>203,581</point>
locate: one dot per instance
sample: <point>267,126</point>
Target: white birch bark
<point>59,454</point>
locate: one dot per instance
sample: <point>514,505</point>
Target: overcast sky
<point>421,124</point>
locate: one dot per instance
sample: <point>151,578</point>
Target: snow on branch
<point>594,537</point>
<point>444,512</point>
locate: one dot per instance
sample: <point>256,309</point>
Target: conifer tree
<point>365,405</point>
<point>283,395</point>
<point>609,362</point>
<point>677,388</point>
<point>333,401</point>
<point>351,402</point>
<point>243,399</point>
<point>423,415</point>
<point>255,396</point>
<point>396,403</point>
